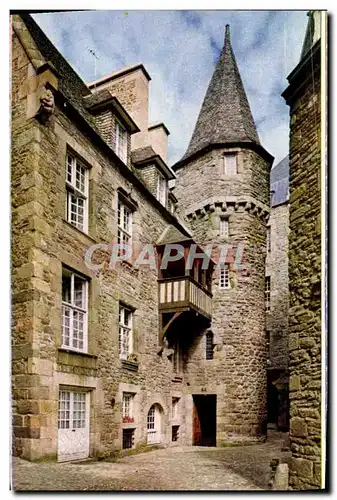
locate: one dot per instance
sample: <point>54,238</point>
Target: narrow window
<point>125,332</point>
<point>229,164</point>
<point>74,311</point>
<point>175,404</point>
<point>77,184</point>
<point>177,358</point>
<point>224,227</point>
<point>268,343</point>
<point>124,223</point>
<point>268,239</point>
<point>128,438</point>
<point>224,277</point>
<point>267,293</point>
<point>121,142</point>
<point>175,432</point>
<point>128,407</point>
<point>209,345</point>
<point>161,190</point>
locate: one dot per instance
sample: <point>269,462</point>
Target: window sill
<point>76,358</point>
<point>130,365</point>
<point>86,235</point>
<point>129,425</point>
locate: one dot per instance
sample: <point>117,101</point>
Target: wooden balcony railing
<point>178,294</point>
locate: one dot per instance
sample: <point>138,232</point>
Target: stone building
<point>277,296</point>
<point>303,95</point>
<point>109,355</point>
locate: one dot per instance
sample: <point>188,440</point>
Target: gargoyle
<point>47,106</point>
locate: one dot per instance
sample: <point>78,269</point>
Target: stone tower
<point>223,190</point>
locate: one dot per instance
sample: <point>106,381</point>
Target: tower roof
<point>225,115</point>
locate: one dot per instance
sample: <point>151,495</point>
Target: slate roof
<point>279,182</point>
<point>146,154</point>
<point>225,115</point>
<point>309,35</point>
<point>70,84</point>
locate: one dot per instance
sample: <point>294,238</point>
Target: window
<point>175,403</point>
<point>150,418</point>
<point>268,239</point>
<point>267,293</point>
<point>124,216</point>
<point>229,164</point>
<point>74,311</point>
<point>162,190</point>
<point>121,142</point>
<point>224,227</point>
<point>209,345</point>
<point>77,193</point>
<point>128,438</point>
<point>125,332</point>
<point>268,343</point>
<point>128,407</point>
<point>177,361</point>
<point>175,432</point>
<point>72,410</point>
<point>224,277</point>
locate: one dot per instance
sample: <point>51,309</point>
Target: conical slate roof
<point>225,115</point>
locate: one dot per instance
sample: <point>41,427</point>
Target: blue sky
<point>179,49</point>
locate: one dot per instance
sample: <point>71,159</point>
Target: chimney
<point>157,138</point>
<point>131,87</point>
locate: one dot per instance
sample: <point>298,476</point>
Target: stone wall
<point>43,241</point>
<point>277,269</point>
<point>237,374</point>
<point>303,97</point>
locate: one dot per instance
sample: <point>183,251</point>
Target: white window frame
<point>224,227</point>
<point>224,281</point>
<point>77,191</point>
<point>123,329</point>
<point>162,189</point>
<point>124,223</point>
<point>229,164</point>
<point>73,309</point>
<point>267,292</point>
<point>121,141</point>
<point>127,404</point>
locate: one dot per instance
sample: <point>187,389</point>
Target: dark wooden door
<point>196,426</point>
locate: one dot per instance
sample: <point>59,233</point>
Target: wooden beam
<point>165,328</point>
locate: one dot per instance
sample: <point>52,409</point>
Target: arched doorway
<point>154,422</point>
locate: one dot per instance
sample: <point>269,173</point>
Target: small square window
<point>224,281</point>
<point>128,438</point>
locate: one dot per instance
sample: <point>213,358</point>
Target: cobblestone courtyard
<point>179,468</point>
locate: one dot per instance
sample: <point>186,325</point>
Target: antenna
<point>95,56</point>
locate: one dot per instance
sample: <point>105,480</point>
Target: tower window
<point>162,190</point>
<point>267,293</point>
<point>121,142</point>
<point>209,345</point>
<point>229,164</point>
<point>224,227</point>
<point>268,239</point>
<point>224,277</point>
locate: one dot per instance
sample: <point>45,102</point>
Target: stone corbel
<point>41,102</point>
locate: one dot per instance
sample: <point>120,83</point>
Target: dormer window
<point>121,142</point>
<point>229,164</point>
<point>162,190</point>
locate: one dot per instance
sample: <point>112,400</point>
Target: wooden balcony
<point>182,294</point>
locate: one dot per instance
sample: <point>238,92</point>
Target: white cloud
<point>178,50</point>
